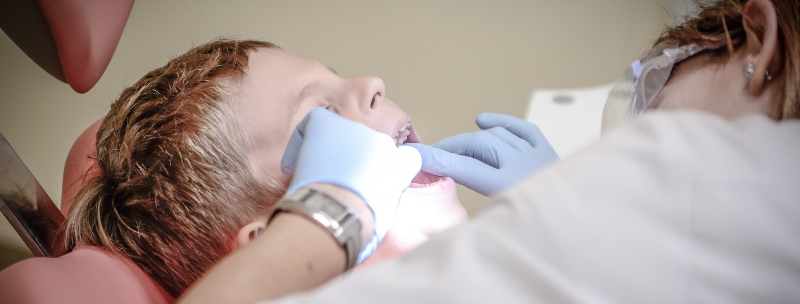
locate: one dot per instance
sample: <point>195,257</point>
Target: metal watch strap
<point>339,219</point>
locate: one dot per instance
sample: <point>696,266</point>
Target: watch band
<point>337,218</point>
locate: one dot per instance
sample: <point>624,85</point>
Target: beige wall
<point>443,61</point>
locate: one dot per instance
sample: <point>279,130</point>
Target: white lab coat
<point>674,208</point>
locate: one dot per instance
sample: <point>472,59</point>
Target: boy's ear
<point>250,231</point>
<point>762,46</point>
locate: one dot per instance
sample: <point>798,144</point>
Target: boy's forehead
<point>280,63</point>
<point>274,74</point>
<point>276,61</point>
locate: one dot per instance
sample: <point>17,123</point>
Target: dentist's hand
<point>488,161</point>
<point>328,148</point>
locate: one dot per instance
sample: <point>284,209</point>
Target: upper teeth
<point>402,135</point>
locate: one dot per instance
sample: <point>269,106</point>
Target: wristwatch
<point>341,221</point>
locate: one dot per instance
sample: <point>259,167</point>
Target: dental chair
<point>86,274</point>
<point>79,167</point>
<point>72,40</point>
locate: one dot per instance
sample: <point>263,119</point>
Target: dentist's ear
<point>763,49</point>
<point>250,231</point>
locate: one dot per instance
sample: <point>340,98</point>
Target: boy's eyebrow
<point>307,89</point>
<point>305,92</point>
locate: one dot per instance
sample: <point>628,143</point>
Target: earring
<point>768,76</point>
<point>749,70</point>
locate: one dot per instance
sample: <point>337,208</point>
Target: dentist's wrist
<point>356,203</point>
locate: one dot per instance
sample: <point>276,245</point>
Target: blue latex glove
<point>488,161</point>
<point>328,148</point>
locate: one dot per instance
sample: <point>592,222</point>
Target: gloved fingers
<point>521,128</point>
<point>464,170</point>
<point>410,162</point>
<point>303,124</point>
<point>509,138</point>
<point>444,163</point>
<point>291,153</point>
<point>483,146</point>
<point>545,148</point>
<point>324,121</point>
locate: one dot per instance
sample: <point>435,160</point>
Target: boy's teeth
<point>402,135</point>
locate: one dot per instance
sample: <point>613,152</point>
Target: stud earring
<point>768,76</point>
<point>749,70</point>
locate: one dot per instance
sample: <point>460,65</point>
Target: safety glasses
<point>641,82</point>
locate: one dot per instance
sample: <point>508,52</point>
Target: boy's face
<point>280,88</point>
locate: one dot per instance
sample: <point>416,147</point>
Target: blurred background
<point>444,62</point>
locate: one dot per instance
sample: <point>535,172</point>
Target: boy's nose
<point>370,93</point>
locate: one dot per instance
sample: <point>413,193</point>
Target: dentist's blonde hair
<point>719,27</point>
<point>175,184</point>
